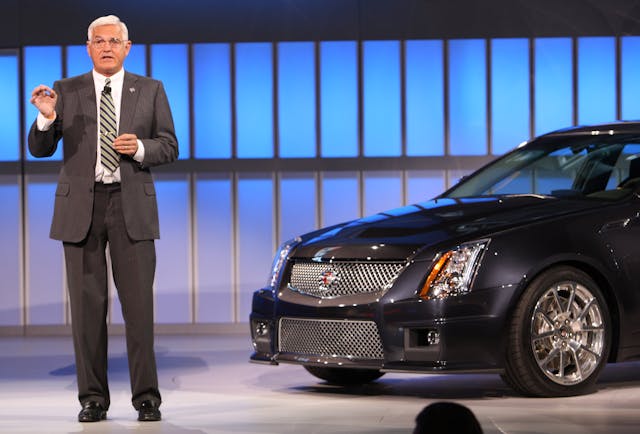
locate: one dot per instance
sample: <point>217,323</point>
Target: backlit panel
<point>509,93</point>
<point>172,283</point>
<point>45,280</point>
<point>78,60</point>
<point>596,80</point>
<point>382,191</point>
<point>169,63</point>
<point>339,99</point>
<point>10,307</point>
<point>296,99</point>
<point>424,185</point>
<point>9,114</point>
<point>340,197</point>
<point>467,97</point>
<point>212,100</point>
<point>214,247</point>
<point>254,100</point>
<point>136,61</point>
<point>553,81</point>
<point>424,98</point>
<point>256,241</point>
<point>381,88</point>
<point>42,65</point>
<point>298,204</point>
<point>630,85</point>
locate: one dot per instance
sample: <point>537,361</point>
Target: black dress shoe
<point>92,411</point>
<point>149,412</point>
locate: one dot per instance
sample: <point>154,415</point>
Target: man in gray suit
<point>106,198</point>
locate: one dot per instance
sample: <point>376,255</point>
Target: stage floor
<point>208,386</point>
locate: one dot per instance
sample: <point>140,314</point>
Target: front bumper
<point>464,333</point>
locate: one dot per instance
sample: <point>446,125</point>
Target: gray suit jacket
<point>144,112</point>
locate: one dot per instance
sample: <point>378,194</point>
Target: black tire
<point>559,337</point>
<point>344,376</point>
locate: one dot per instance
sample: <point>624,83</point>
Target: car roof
<point>619,127</point>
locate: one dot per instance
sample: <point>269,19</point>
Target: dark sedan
<point>529,267</point>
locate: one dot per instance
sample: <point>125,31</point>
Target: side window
<point>627,166</point>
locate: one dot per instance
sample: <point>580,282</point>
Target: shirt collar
<point>116,79</point>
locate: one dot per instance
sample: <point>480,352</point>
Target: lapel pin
<point>132,89</point>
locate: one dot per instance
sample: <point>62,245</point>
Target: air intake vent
<point>331,338</point>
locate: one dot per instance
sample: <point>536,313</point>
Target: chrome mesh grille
<point>339,279</point>
<point>330,338</point>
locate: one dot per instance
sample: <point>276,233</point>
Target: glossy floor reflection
<point>209,387</point>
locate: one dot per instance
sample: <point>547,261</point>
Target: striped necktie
<point>108,130</point>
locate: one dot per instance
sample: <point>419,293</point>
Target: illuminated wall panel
<point>424,185</point>
<point>382,191</point>
<point>339,98</point>
<point>340,197</point>
<point>78,60</point>
<point>553,83</point>
<point>172,281</point>
<point>46,292</point>
<point>596,80</point>
<point>297,205</point>
<point>136,61</point>
<point>10,306</point>
<point>212,100</point>
<point>382,100</point>
<point>169,63</point>
<point>296,99</point>
<point>509,93</point>
<point>424,98</point>
<point>630,85</point>
<point>256,242</point>
<point>254,100</point>
<point>9,114</point>
<point>42,65</point>
<point>215,253</point>
<point>467,97</point>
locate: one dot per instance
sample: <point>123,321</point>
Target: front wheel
<point>344,376</point>
<point>559,336</point>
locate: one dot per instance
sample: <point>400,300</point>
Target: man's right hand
<point>44,99</point>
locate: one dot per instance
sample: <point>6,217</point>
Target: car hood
<point>400,233</point>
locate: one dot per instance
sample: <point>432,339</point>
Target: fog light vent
<point>261,335</point>
<point>261,328</point>
<point>423,338</point>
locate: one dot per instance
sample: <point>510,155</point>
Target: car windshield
<point>561,166</point>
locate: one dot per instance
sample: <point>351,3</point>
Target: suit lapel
<point>130,93</point>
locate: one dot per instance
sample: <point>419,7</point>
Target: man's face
<point>107,49</point>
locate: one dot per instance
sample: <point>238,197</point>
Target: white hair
<point>105,21</point>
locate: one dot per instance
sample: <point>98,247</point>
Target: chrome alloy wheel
<point>568,333</point>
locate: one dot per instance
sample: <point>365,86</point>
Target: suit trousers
<point>133,264</point>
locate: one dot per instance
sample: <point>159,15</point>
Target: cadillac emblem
<point>328,280</point>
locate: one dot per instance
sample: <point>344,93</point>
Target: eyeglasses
<point>102,43</point>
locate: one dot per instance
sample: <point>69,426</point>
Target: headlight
<point>279,261</point>
<point>452,271</point>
